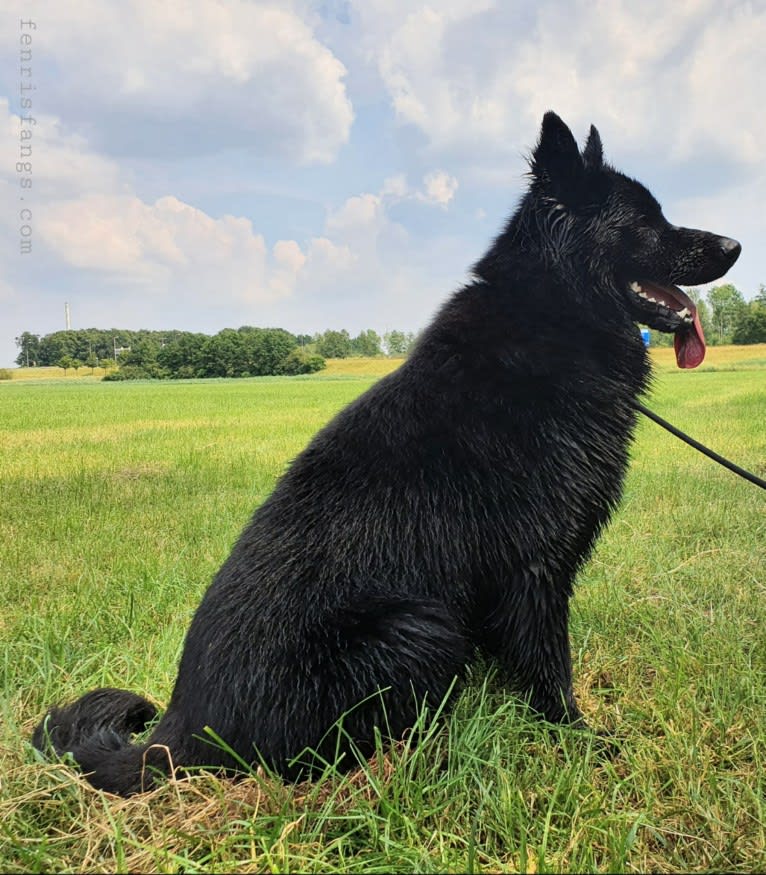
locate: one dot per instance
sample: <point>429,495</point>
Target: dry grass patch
<point>359,367</point>
<point>716,358</point>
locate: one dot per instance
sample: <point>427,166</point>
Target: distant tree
<point>128,372</point>
<point>334,345</point>
<point>703,311</point>
<point>367,343</point>
<point>244,352</point>
<point>66,362</point>
<point>398,342</point>
<point>76,364</point>
<point>266,350</point>
<point>751,323</point>
<point>92,361</point>
<point>29,350</point>
<point>301,362</point>
<point>142,353</point>
<point>96,342</point>
<point>659,338</point>
<point>54,346</point>
<point>230,353</point>
<point>181,354</point>
<point>727,304</point>
<point>223,354</point>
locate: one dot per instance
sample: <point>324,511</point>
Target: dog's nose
<point>730,248</point>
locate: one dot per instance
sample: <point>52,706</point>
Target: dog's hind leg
<point>384,660</point>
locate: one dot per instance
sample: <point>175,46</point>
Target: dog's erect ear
<point>593,153</point>
<point>556,159</point>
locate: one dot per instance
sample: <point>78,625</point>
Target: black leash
<point>701,447</point>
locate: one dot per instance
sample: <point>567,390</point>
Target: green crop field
<point>118,501</point>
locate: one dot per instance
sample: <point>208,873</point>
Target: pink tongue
<point>689,344</point>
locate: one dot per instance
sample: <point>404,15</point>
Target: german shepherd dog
<point>444,512</point>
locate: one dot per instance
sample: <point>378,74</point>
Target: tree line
<point>242,352</point>
<point>248,351</point>
<point>726,316</point>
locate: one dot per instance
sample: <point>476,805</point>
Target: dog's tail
<point>96,730</point>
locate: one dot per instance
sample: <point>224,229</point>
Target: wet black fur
<point>446,511</point>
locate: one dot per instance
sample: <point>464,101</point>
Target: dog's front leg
<point>528,633</point>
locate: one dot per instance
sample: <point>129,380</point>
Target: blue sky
<point>311,165</point>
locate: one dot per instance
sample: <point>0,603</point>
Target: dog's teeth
<point>636,287</point>
<point>684,314</point>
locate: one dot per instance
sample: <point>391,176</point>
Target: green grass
<point>119,501</point>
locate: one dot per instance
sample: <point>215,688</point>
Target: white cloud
<point>357,214</point>
<point>90,223</point>
<point>724,78</point>
<point>395,188</point>
<point>168,246</point>
<point>197,75</point>
<point>62,160</point>
<point>440,188</point>
<point>669,77</point>
<point>325,258</point>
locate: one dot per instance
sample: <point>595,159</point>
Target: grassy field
<point>118,501</point>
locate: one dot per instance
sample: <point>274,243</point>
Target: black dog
<point>446,509</point>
